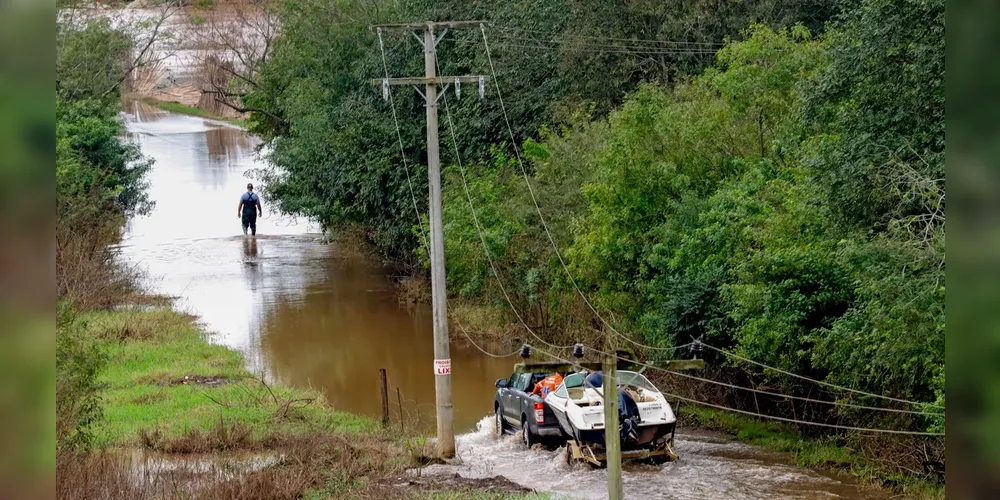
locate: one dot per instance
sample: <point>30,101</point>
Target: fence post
<point>383,384</point>
<point>399,401</point>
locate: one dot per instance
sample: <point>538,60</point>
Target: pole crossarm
<point>436,80</point>
<point>430,24</point>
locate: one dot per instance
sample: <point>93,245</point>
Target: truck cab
<point>516,408</point>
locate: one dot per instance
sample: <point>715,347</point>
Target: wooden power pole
<point>430,81</point>
<point>612,435</point>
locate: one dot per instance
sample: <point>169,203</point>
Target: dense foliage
<point>780,194</point>
<point>96,170</point>
<point>335,154</point>
<point>99,183</point>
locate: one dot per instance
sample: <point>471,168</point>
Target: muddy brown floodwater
<point>299,310</point>
<point>308,314</point>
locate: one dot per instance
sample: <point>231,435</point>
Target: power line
<point>534,200</point>
<point>399,137</point>
<point>594,49</point>
<point>796,421</point>
<point>773,417</point>
<point>828,384</point>
<point>484,351</point>
<point>633,40</point>
<point>777,394</point>
<point>682,346</point>
<point>637,48</point>
<point>479,230</point>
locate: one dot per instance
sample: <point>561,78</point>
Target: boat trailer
<point>582,452</point>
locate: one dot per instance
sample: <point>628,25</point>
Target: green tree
<point>333,155</point>
<point>879,107</point>
<point>100,176</point>
<point>666,151</point>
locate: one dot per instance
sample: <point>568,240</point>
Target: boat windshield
<point>624,378</point>
<point>636,380</point>
<point>574,380</point>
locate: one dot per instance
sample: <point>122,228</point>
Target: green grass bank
<point>166,389</point>
<point>176,107</point>
<point>164,376</point>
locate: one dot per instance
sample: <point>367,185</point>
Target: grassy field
<point>829,453</point>
<point>166,389</point>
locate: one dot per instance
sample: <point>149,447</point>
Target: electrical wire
<point>402,152</point>
<point>633,40</point>
<point>773,417</point>
<point>609,50</point>
<point>484,351</point>
<point>578,43</point>
<point>796,421</point>
<point>776,394</point>
<point>482,238</point>
<point>534,200</point>
<point>820,382</point>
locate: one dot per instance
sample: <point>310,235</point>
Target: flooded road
<point>299,310</point>
<point>310,314</point>
<point>710,467</point>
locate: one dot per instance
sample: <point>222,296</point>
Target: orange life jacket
<point>547,384</point>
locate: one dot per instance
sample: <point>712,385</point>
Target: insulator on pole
<point>385,89</point>
<point>695,348</point>
<point>458,88</point>
<point>482,87</point>
<point>526,351</point>
<point>577,351</point>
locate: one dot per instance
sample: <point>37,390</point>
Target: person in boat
<point>595,380</point>
<point>249,209</point>
<point>547,384</point>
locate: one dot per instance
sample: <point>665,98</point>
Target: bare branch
<point>166,12</point>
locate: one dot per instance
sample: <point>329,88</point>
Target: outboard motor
<point>628,416</point>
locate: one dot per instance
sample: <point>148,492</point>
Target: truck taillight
<point>539,413</point>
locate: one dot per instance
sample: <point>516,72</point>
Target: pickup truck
<point>516,408</point>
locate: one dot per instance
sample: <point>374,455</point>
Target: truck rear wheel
<point>528,438</point>
<point>501,424</point>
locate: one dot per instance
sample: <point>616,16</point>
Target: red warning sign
<point>442,367</point>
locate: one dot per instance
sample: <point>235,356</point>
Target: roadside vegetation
<point>777,192</point>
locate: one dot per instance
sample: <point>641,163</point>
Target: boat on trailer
<point>647,421</point>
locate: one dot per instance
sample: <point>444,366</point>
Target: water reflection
<point>251,263</point>
<point>297,310</point>
<point>226,149</point>
<point>338,335</point>
<point>139,111</point>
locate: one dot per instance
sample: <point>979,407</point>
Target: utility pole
<point>439,297</point>
<point>612,435</point>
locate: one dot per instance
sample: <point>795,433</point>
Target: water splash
<point>710,467</point>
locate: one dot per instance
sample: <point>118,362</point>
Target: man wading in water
<point>249,208</point>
